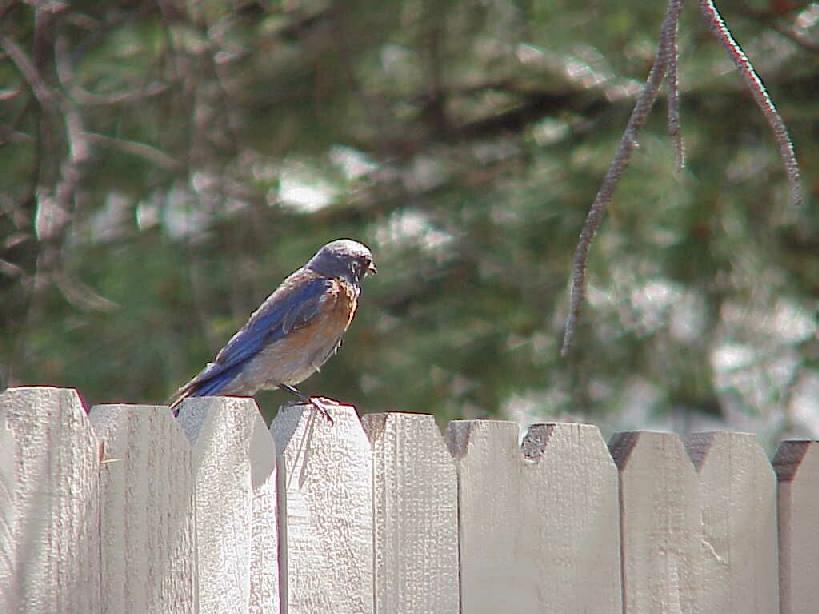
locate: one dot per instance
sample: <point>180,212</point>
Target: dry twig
<point>627,144</point>
<point>760,95</point>
<point>665,62</point>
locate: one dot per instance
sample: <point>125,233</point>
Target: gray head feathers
<point>343,258</point>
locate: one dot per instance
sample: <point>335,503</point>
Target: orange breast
<point>343,306</point>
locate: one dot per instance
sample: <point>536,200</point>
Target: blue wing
<point>289,308</point>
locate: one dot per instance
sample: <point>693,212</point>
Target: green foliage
<point>211,152</point>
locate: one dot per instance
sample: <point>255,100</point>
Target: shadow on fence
<point>128,510</point>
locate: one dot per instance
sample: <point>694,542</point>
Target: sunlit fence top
<point>126,509</point>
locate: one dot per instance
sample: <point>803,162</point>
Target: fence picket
<point>146,515</point>
<point>577,499</point>
<point>797,470</point>
<point>660,520</point>
<point>415,515</point>
<point>490,486</point>
<point>49,542</point>
<point>234,472</point>
<point>513,506</point>
<point>738,551</point>
<point>325,508</point>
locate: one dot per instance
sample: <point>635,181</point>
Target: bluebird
<point>293,332</point>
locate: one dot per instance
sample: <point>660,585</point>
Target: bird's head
<point>344,258</point>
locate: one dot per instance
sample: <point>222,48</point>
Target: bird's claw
<point>314,401</point>
<point>321,409</point>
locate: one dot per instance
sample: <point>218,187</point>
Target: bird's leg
<point>308,400</point>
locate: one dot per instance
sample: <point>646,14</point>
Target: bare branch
<point>42,92</point>
<point>760,95</point>
<point>674,97</point>
<point>627,144</point>
<point>9,269</point>
<point>146,152</point>
<point>81,295</point>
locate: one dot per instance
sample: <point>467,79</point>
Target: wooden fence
<point>128,510</point>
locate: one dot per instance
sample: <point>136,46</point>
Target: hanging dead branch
<point>759,93</point>
<point>665,64</point>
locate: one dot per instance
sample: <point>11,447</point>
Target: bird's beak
<point>371,270</point>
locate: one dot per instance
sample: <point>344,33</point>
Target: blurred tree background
<point>163,165</point>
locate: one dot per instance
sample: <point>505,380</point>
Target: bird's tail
<point>210,382</point>
<point>180,395</point>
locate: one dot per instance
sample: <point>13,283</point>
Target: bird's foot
<point>320,406</point>
<point>319,403</point>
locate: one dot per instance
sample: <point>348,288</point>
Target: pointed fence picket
<point>49,539</point>
<point>130,510</point>
<point>577,501</point>
<point>738,544</point>
<point>660,523</point>
<point>538,525</point>
<point>797,470</point>
<point>325,507</point>
<point>234,475</point>
<point>415,515</point>
<point>146,511</point>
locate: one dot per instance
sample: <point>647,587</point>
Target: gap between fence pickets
<point>37,418</point>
